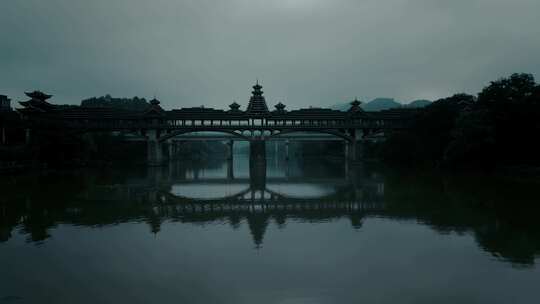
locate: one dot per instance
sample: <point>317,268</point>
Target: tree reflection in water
<point>500,214</point>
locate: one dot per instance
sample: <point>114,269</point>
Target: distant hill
<point>340,106</point>
<point>376,104</point>
<point>379,104</point>
<point>134,104</point>
<point>421,103</point>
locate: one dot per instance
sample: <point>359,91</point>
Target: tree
<point>496,130</point>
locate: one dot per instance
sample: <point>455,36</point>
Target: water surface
<point>303,231</point>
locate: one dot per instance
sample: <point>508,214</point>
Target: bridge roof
<point>44,109</point>
<point>310,113</point>
<point>199,113</point>
<point>210,113</point>
<point>257,103</point>
<point>93,113</point>
<point>204,113</point>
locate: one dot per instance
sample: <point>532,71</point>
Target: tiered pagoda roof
<point>154,109</point>
<point>38,102</point>
<point>355,106</point>
<point>257,103</point>
<point>280,108</point>
<point>38,95</point>
<point>234,108</point>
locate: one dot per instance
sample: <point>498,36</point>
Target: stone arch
<point>324,131</point>
<point>228,198</point>
<point>181,132</point>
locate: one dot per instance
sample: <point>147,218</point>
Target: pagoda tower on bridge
<point>257,103</point>
<point>37,103</point>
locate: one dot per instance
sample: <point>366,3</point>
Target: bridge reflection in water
<point>195,195</point>
<point>284,194</point>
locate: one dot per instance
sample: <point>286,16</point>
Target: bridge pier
<point>257,149</point>
<point>360,146</point>
<point>353,150</point>
<point>347,167</point>
<point>257,163</point>
<point>230,159</point>
<point>27,136</point>
<point>4,138</point>
<point>154,149</point>
<point>287,143</point>
<point>170,147</point>
<point>175,150</point>
<point>349,150</point>
<point>287,169</point>
<point>230,152</point>
<point>230,169</point>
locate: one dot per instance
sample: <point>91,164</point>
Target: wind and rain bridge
<point>163,129</point>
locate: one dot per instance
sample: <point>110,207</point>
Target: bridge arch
<point>182,132</point>
<point>323,131</point>
<point>239,196</point>
<point>224,197</point>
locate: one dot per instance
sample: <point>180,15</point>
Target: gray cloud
<point>306,52</point>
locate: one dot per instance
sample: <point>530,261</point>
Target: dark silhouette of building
<point>37,102</point>
<point>10,123</point>
<point>5,104</point>
<point>257,124</point>
<point>257,103</point>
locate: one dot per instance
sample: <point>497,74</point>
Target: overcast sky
<point>305,52</point>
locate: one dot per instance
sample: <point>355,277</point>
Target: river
<point>299,231</point>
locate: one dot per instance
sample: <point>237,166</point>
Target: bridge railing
<point>213,124</point>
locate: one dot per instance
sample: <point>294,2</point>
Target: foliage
<point>430,133</point>
<point>134,104</point>
<point>496,128</point>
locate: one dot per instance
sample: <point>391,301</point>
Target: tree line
<point>133,104</point>
<point>498,127</point>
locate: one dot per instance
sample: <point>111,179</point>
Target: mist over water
<point>305,231</point>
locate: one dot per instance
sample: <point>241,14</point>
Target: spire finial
<point>154,101</point>
<point>355,105</point>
